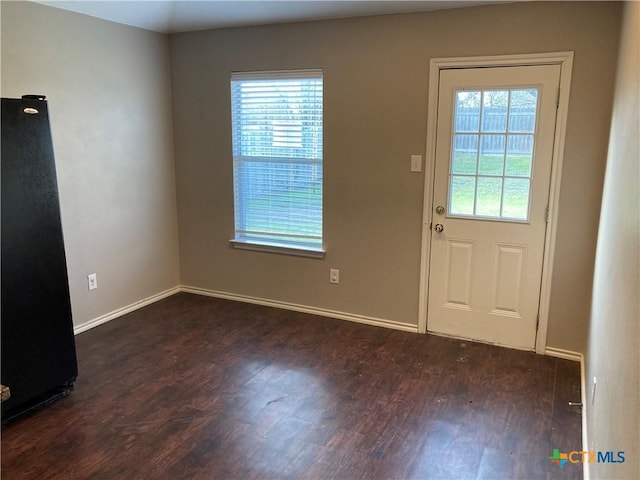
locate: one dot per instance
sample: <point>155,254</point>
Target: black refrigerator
<point>38,349</point>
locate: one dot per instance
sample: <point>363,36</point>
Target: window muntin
<point>277,121</point>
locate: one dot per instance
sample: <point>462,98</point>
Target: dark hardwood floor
<point>199,388</point>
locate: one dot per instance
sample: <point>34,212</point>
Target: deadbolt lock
<point>440,210</point>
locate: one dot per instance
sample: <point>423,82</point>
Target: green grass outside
<point>489,189</point>
<point>515,165</point>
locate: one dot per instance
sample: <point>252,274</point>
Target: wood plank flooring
<point>199,388</point>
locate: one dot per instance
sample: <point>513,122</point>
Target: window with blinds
<point>277,159</point>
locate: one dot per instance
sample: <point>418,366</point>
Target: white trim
<point>565,60</point>
<point>430,166</point>
<point>577,357</point>
<point>554,201</point>
<point>124,310</point>
<point>352,317</point>
<point>296,251</point>
<point>277,74</point>
<point>561,353</point>
<point>527,59</point>
<point>377,322</point>
<point>585,437</point>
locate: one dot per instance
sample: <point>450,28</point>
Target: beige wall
<point>613,355</point>
<point>109,93</point>
<point>109,97</point>
<point>376,83</point>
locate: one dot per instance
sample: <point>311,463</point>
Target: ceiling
<point>171,16</point>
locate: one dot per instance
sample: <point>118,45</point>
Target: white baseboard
<point>377,322</point>
<point>577,357</point>
<point>585,437</point>
<point>124,310</point>
<point>561,353</point>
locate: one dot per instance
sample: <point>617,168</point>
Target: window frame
<point>242,239</point>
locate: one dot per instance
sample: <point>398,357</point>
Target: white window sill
<point>278,248</point>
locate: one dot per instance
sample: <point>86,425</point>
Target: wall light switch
<point>93,281</point>
<point>416,163</point>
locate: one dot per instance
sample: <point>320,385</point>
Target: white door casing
<point>485,277</point>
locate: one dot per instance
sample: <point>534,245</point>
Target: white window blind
<point>277,158</point>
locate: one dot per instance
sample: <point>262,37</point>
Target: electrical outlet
<point>93,281</point>
<point>334,275</point>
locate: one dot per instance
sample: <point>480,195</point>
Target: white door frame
<point>565,60</point>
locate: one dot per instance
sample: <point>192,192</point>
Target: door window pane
<point>491,159</point>
<point>488,196</point>
<point>492,153</point>
<point>522,110</point>
<point>465,153</point>
<point>519,155</point>
<point>467,111</point>
<point>494,110</point>
<point>463,193</point>
<point>515,203</point>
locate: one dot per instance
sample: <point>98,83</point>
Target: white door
<point>494,145</point>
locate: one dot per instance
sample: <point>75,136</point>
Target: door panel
<point>459,271</point>
<point>509,267</point>
<point>494,147</point>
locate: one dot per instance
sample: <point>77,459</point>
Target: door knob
<point>438,228</point>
